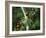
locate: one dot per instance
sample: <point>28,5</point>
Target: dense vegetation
<point>20,23</point>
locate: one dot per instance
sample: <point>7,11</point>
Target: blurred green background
<point>19,23</point>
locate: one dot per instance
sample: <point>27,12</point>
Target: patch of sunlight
<point>27,27</point>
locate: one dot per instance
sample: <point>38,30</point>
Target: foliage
<point>19,23</point>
